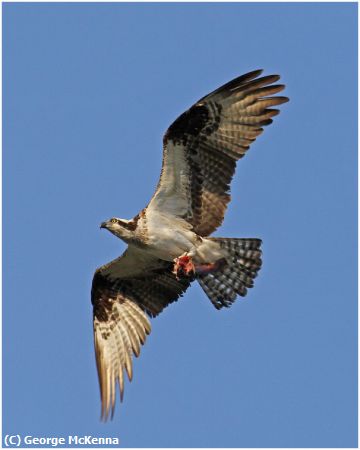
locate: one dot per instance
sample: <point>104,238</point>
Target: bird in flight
<point>168,241</point>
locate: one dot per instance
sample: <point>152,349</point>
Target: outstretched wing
<point>202,146</point>
<point>123,291</point>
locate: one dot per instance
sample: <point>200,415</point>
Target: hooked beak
<point>103,225</point>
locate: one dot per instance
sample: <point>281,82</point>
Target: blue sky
<point>88,90</point>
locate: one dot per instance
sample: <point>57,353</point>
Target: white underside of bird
<point>170,238</point>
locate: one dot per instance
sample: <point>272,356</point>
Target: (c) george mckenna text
<point>74,440</point>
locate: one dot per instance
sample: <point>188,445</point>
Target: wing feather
<point>121,304</point>
<point>202,146</point>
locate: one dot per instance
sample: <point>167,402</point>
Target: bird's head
<point>122,228</point>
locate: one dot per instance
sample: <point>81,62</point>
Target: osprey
<point>168,241</point>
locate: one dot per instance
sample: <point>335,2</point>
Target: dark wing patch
<point>191,123</point>
<point>121,324</point>
<point>214,134</point>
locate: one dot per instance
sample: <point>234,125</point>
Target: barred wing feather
<point>121,305</point>
<point>202,146</point>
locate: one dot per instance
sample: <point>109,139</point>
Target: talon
<point>184,267</point>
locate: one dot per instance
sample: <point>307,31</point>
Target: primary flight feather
<point>168,241</point>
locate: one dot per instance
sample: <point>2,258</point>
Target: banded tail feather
<point>237,275</point>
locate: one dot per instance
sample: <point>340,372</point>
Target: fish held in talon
<point>184,267</point>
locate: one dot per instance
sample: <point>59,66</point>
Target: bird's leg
<point>184,267</point>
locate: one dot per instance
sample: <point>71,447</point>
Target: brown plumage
<point>215,133</point>
<point>121,325</point>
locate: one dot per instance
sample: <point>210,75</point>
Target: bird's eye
<point>113,220</point>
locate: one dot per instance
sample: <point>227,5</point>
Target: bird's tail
<point>236,274</point>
